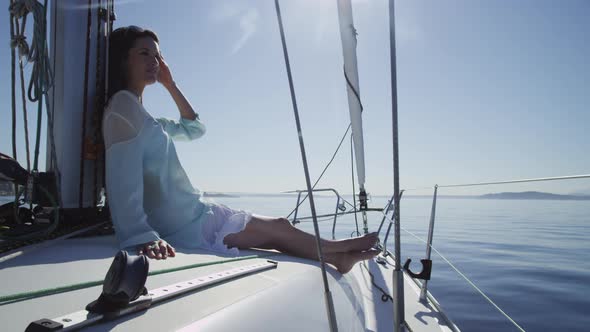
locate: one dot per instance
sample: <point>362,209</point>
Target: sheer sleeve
<point>124,172</point>
<point>123,119</point>
<point>184,129</point>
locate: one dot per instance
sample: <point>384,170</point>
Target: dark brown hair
<point>120,42</point>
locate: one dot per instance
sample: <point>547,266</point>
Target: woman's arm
<point>184,106</point>
<point>124,179</point>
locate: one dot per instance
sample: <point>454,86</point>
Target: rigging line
<point>385,296</point>
<point>20,36</point>
<point>356,222</point>
<point>398,285</point>
<point>13,95</point>
<point>324,171</point>
<point>327,295</point>
<point>468,281</point>
<point>581,176</point>
<point>85,101</point>
<point>41,75</point>
<point>567,177</point>
<point>391,220</point>
<point>51,115</point>
<point>349,83</point>
<point>356,94</point>
<point>13,87</point>
<point>109,28</point>
<point>97,102</point>
<point>41,61</point>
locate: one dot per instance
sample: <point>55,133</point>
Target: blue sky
<point>488,90</point>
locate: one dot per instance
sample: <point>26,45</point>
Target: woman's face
<point>142,63</point>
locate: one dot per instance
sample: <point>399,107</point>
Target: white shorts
<point>219,223</point>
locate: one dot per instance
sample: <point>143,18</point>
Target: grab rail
<point>338,206</point>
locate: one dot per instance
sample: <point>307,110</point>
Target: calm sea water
<point>531,257</point>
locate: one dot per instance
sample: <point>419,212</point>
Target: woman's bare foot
<point>356,244</point>
<point>344,261</point>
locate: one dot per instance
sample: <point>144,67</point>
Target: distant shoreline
<point>528,195</point>
<point>535,195</point>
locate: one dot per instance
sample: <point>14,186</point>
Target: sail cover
<point>348,35</point>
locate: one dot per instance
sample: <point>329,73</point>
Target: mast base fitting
<point>363,200</point>
<point>124,283</point>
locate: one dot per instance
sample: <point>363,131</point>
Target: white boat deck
<point>288,298</point>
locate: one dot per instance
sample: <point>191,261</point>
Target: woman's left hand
<point>164,75</point>
<point>157,250</point>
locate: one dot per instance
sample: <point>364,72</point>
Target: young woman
<point>151,199</point>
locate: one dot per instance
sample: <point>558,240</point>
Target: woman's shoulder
<point>125,106</point>
<point>123,98</point>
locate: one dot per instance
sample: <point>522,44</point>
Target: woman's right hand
<point>157,250</point>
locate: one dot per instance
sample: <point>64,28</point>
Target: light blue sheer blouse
<point>149,194</point>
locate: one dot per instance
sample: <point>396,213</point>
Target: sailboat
<point>198,290</point>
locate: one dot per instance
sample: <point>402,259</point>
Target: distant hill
<point>583,192</point>
<point>215,194</point>
<point>535,195</point>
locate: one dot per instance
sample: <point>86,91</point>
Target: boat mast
<point>348,36</point>
<point>68,43</point>
<point>398,281</point>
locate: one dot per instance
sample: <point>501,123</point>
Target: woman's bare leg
<point>279,234</point>
<point>279,231</point>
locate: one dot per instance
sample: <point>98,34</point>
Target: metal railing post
<point>335,217</point>
<point>424,289</point>
<point>297,208</point>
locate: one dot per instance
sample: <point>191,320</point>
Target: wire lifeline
<point>468,281</point>
<point>328,297</point>
<point>8,299</point>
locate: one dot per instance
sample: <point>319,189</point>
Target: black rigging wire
<point>349,83</point>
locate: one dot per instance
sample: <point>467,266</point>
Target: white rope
<point>20,9</point>
<point>37,52</point>
<point>469,281</point>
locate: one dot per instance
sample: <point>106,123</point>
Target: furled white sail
<point>348,35</point>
